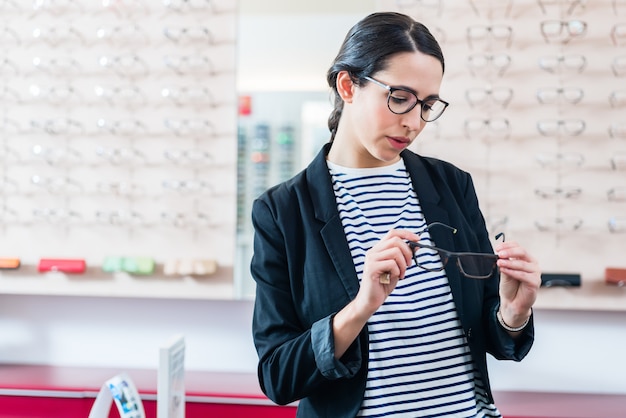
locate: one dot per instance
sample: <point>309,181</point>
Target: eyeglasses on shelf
<point>552,95</point>
<point>569,127</point>
<point>559,223</point>
<point>616,194</point>
<point>557,63</point>
<point>618,161</point>
<point>618,34</point>
<point>560,160</point>
<point>434,6</point>
<point>188,6</point>
<point>617,224</point>
<point>484,33</point>
<point>508,4</point>
<point>571,5</point>
<point>472,265</point>
<point>479,96</point>
<point>617,130</point>
<point>562,30</point>
<point>617,98</point>
<point>56,7</point>
<point>55,36</point>
<point>122,35</point>
<point>619,66</point>
<point>481,63</point>
<point>558,192</point>
<point>493,127</point>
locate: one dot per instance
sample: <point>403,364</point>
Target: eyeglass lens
<point>402,101</point>
<point>472,265</point>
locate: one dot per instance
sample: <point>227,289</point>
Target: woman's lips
<point>398,142</point>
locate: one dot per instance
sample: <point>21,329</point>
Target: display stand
<point>121,390</point>
<point>171,379</point>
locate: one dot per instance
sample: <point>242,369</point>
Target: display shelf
<point>94,282</point>
<point>120,140</point>
<point>592,295</point>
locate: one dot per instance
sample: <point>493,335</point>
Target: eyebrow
<point>432,96</point>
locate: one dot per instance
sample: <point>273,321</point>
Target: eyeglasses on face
<point>401,100</point>
<point>470,264</point>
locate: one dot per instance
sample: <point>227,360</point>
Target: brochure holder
<point>120,390</point>
<point>171,379</point>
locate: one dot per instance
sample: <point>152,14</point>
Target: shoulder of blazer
<point>432,176</point>
<point>311,187</point>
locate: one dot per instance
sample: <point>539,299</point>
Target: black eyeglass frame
<point>424,105</point>
<point>447,255</point>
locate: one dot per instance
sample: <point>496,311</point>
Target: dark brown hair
<point>369,45</point>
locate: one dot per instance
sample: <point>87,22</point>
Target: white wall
<point>574,351</point>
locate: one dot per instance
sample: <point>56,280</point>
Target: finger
<point>402,234</point>
<point>521,271</point>
<point>513,251</point>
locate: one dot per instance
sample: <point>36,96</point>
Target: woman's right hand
<point>389,256</point>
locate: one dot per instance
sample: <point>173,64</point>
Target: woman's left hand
<point>520,278</point>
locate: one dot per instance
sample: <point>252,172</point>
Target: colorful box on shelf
<point>64,265</point>
<point>130,265</point>
<point>190,267</point>
<point>616,276</point>
<point>9,263</point>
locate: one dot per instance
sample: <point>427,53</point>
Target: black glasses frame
<point>446,255</point>
<point>426,105</point>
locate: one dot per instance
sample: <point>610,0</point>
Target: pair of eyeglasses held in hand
<point>472,265</point>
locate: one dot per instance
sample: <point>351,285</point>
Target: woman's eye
<point>399,99</point>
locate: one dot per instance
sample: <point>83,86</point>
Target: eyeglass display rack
<point>118,142</point>
<point>537,93</point>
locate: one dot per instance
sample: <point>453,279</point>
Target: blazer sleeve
<point>296,354</point>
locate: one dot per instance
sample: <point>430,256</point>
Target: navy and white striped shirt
<point>419,363</point>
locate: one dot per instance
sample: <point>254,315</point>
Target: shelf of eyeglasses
<point>502,96</point>
<point>122,95</point>
<point>154,192</point>
<point>123,128</point>
<point>613,194</point>
<point>123,219</point>
<point>52,35</point>
<point>135,157</point>
<point>505,8</point>
<point>129,67</point>
<point>124,8</point>
<point>561,225</point>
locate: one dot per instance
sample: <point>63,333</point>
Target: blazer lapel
<point>333,235</point>
<point>434,210</point>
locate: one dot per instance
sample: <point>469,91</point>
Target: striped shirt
<point>419,360</point>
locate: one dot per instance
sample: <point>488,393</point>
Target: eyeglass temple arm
<point>454,230</point>
<point>501,235</point>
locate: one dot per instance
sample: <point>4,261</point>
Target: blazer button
<point>469,334</point>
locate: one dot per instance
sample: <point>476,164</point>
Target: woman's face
<point>375,135</point>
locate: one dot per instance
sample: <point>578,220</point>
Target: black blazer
<point>304,274</point>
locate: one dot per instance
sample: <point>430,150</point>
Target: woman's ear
<point>345,86</point>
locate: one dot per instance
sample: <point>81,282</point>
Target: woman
<point>355,312</point>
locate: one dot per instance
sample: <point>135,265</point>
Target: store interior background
<point>286,47</point>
